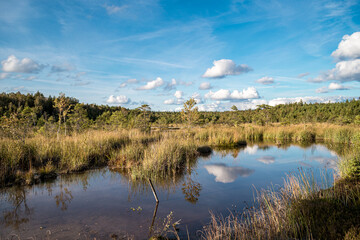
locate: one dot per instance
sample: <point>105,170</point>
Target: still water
<point>105,204</point>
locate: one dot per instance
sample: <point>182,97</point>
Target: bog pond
<point>105,203</point>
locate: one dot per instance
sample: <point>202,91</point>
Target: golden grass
<point>144,152</point>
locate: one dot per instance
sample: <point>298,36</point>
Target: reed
<point>96,148</point>
<point>301,209</point>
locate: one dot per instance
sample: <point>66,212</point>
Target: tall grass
<point>300,210</point>
<point>144,152</point>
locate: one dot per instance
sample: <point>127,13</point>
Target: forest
<point>49,114</point>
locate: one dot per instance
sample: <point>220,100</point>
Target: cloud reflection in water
<point>226,174</point>
<point>266,159</point>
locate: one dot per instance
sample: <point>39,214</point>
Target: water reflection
<point>251,150</point>
<point>266,159</point>
<point>326,161</point>
<point>227,174</point>
<point>109,193</point>
<point>20,211</point>
<point>64,197</point>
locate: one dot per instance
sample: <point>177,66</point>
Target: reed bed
<point>155,153</point>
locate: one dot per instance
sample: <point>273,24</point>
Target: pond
<point>104,203</point>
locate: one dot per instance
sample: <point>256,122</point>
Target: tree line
<point>63,114</point>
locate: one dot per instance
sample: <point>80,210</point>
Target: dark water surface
<point>103,203</point>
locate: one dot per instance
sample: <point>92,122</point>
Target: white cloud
<point>344,71</point>
<point>265,80</point>
<point>266,159</point>
<point>3,75</point>
<point>349,47</point>
<point>174,101</point>
<point>309,99</point>
<point>225,67</point>
<point>26,65</point>
<point>118,99</point>
<point>123,85</point>
<point>179,94</point>
<point>224,94</point>
<point>227,174</point>
<point>152,84</point>
<point>205,86</point>
<point>336,86</point>
<point>197,97</point>
<point>169,101</point>
<point>251,150</point>
<point>348,69</point>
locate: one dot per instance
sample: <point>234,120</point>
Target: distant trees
<point>23,114</point>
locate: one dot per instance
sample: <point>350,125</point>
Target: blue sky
<point>222,53</point>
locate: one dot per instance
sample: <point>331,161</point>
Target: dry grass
<point>156,153</point>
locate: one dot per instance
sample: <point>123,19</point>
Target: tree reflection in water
<point>20,213</point>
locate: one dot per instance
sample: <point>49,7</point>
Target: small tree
<point>190,113</point>
<point>145,112</point>
<point>63,106</point>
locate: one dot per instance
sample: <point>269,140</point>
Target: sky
<point>162,53</point>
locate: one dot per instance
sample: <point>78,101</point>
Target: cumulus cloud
<point>225,67</point>
<point>348,67</point>
<point>344,71</point>
<point>205,86</point>
<point>226,174</point>
<point>332,86</point>
<point>336,86</point>
<point>179,94</point>
<point>265,80</point>
<point>224,94</point>
<point>64,67</point>
<point>118,99</point>
<point>152,84</point>
<point>25,65</point>
<point>349,47</point>
<point>266,159</point>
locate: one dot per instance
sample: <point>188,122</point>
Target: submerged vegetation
<point>42,137</point>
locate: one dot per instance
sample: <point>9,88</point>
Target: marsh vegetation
<point>44,138</point>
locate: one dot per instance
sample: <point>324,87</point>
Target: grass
<point>301,209</point>
<point>145,154</point>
